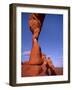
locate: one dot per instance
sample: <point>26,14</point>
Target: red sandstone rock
<point>43,72</point>
<point>49,62</point>
<point>46,68</point>
<point>35,23</point>
<point>35,56</point>
<point>44,58</point>
<point>51,67</point>
<point>31,70</point>
<point>38,64</point>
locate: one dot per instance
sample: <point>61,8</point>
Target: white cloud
<point>26,53</point>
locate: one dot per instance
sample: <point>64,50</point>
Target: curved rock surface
<point>38,64</point>
<point>35,23</point>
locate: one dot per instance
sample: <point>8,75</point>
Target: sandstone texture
<point>45,69</point>
<point>38,64</point>
<point>31,70</point>
<point>35,23</point>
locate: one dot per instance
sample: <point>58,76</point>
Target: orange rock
<point>31,70</point>
<point>38,64</point>
<point>35,23</point>
<point>44,70</point>
<point>51,67</point>
<point>44,58</point>
<point>35,55</point>
<point>49,62</point>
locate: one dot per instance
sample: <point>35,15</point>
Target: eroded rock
<point>35,23</point>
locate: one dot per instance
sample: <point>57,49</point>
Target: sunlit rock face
<point>31,70</point>
<point>35,24</point>
<point>35,56</point>
<point>38,64</point>
<point>51,67</point>
<point>45,69</point>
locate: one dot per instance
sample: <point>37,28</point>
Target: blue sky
<point>50,39</point>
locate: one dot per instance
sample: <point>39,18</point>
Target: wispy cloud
<point>26,53</point>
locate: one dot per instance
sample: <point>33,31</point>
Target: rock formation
<point>51,67</point>
<point>46,68</point>
<point>35,23</point>
<point>38,64</point>
<point>31,70</point>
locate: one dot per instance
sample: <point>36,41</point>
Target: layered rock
<point>31,70</point>
<point>51,67</point>
<point>38,64</point>
<point>35,23</point>
<point>35,56</point>
<point>45,69</point>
